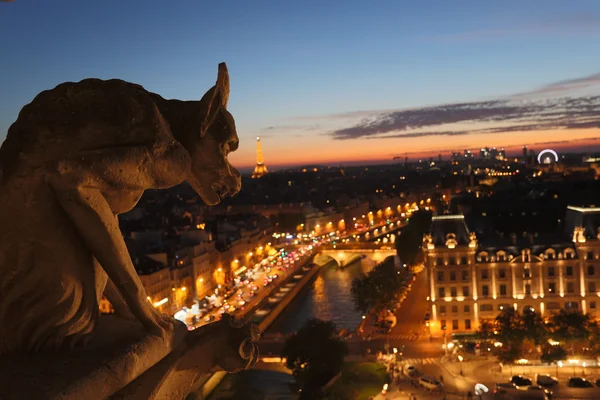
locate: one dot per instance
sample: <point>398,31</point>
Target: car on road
<point>521,381</point>
<point>579,382</point>
<point>507,385</point>
<point>517,394</point>
<point>209,318</point>
<point>410,370</point>
<point>430,383</point>
<point>547,392</point>
<point>546,380</point>
<point>597,382</point>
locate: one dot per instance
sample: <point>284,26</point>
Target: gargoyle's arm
<point>79,182</point>
<point>99,229</point>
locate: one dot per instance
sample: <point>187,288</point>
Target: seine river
<point>327,297</point>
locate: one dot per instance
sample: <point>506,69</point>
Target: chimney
<point>513,239</point>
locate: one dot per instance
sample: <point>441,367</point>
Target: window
<point>501,257</point>
<point>454,309</point>
<point>569,271</point>
<point>467,308</point>
<point>592,287</point>
<point>485,290</point>
<point>590,255</point>
<point>502,290</point>
<point>484,274</point>
<point>486,307</point>
<point>552,306</point>
<point>593,305</point>
<point>503,307</point>
<point>442,309</point>
<point>440,276</point>
<point>452,275</point>
<point>465,291</point>
<point>570,287</point>
<point>590,270</point>
<point>453,291</point>
<point>440,261</point>
<point>550,271</point>
<point>452,261</point>
<point>551,287</point>
<point>527,288</point>
<point>527,272</point>
<point>572,305</point>
<point>502,273</point>
<point>454,324</point>
<point>463,261</point>
<point>465,275</point>
<point>467,324</point>
<point>442,292</point>
<point>443,324</point>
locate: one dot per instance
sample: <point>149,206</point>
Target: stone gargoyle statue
<point>77,156</point>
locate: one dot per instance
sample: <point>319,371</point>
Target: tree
<point>408,242</point>
<point>363,295</point>
<point>594,341</point>
<point>420,221</point>
<point>509,352</point>
<point>551,354</point>
<point>380,289</point>
<point>509,326</point>
<point>571,325</point>
<point>486,330</point>
<point>534,327</point>
<point>315,354</point>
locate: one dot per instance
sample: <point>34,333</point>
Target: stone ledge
<point>119,353</point>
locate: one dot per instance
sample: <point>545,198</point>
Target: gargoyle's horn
<point>215,98</point>
<point>223,83</point>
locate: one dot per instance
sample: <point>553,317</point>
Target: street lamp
<point>445,341</point>
<point>460,359</point>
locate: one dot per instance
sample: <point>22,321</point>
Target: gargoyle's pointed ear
<point>216,97</point>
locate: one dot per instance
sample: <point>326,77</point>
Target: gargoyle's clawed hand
<point>238,351</point>
<point>153,321</point>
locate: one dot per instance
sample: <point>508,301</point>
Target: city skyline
<point>326,83</point>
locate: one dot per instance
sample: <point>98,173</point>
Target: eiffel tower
<point>261,168</point>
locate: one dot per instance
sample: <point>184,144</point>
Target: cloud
<point>340,116</point>
<point>573,23</point>
<point>563,86</point>
<point>288,128</point>
<point>556,143</point>
<point>484,117</point>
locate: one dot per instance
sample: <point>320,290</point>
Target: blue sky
<point>296,66</point>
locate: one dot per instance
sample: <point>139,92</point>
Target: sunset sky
<point>332,81</point>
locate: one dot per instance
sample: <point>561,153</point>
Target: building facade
<point>470,282</point>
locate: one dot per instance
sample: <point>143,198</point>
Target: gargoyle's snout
<point>232,183</point>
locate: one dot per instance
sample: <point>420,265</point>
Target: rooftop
<point>586,217</point>
<point>444,225</point>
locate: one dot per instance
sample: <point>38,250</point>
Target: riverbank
<point>297,288</point>
<point>207,385</point>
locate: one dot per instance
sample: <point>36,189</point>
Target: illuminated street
<point>269,272</point>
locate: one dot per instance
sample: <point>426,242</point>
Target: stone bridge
<point>345,253</point>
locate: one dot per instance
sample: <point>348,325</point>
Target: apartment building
<point>471,281</point>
